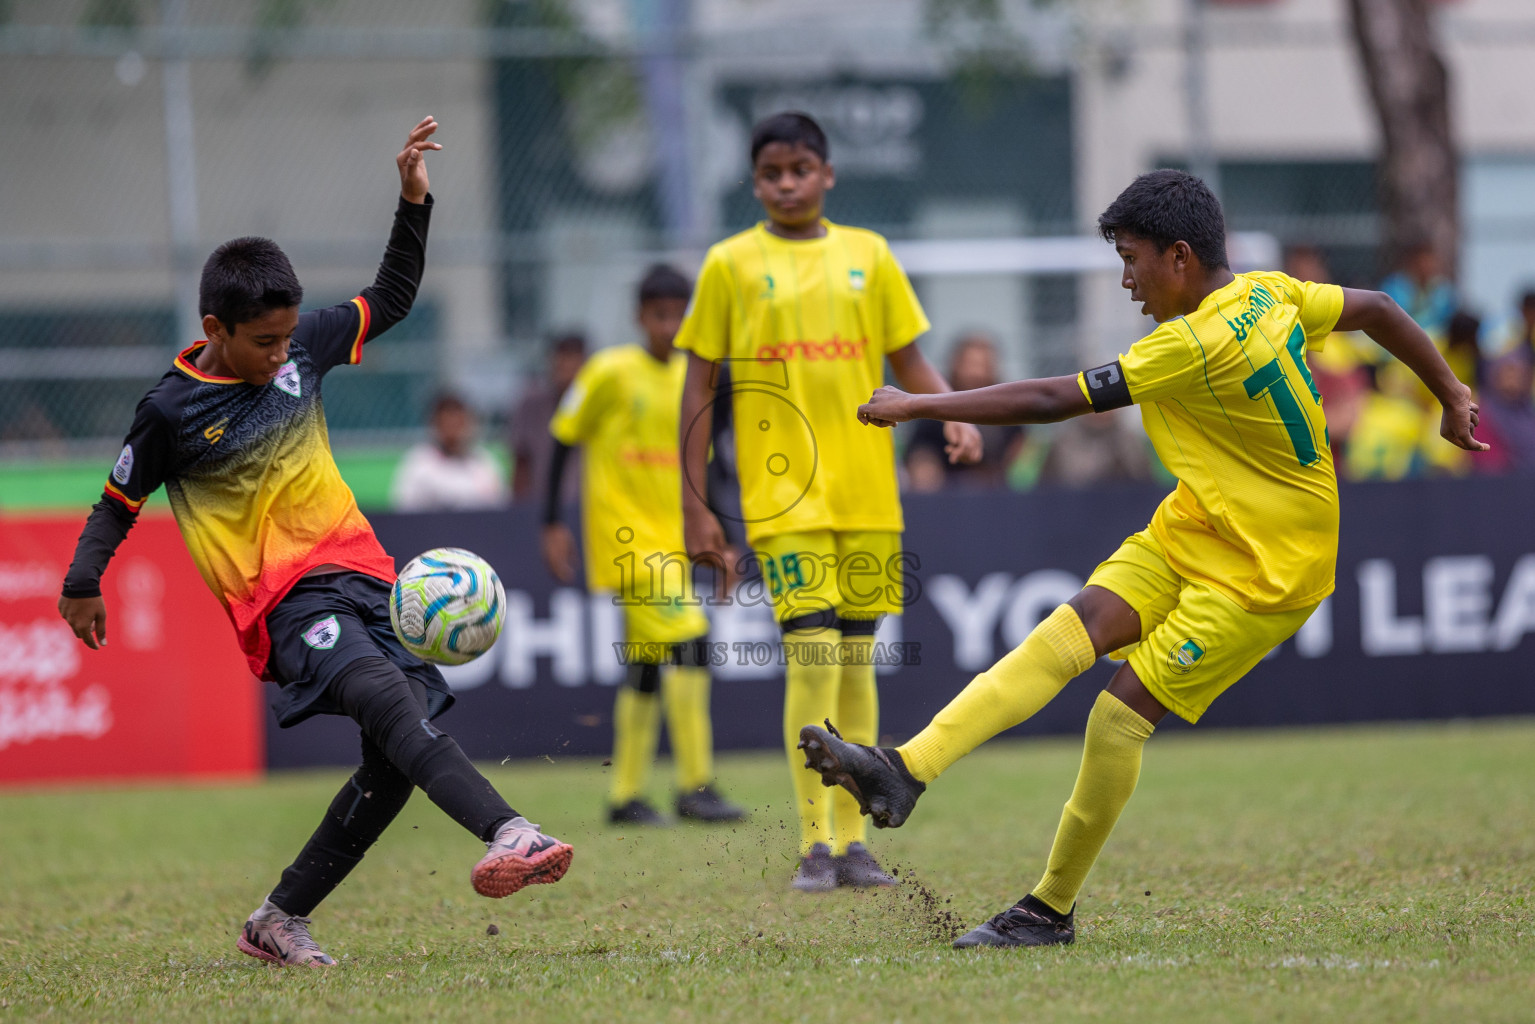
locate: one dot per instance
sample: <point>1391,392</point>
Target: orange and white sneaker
<point>280,938</point>
<point>520,855</point>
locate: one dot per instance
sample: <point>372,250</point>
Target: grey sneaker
<point>859,869</point>
<point>520,855</point>
<point>282,939</point>
<point>817,870</point>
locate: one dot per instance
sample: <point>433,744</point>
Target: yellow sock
<point>636,725</point>
<point>1111,765</point>
<point>810,696</point>
<point>685,692</point>
<point>857,719</point>
<point>1014,689</point>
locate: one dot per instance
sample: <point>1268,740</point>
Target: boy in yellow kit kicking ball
<point>622,410</point>
<point>1234,561</point>
<point>806,313</point>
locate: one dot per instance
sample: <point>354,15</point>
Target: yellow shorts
<point>857,574</point>
<point>1195,641</point>
<point>664,623</point>
<point>663,609</point>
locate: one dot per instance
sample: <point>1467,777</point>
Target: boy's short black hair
<point>792,128</point>
<point>663,281</point>
<point>1169,206</point>
<point>245,278</point>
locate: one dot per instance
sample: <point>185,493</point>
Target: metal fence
<point>583,140</point>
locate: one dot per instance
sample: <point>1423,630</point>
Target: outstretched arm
<point>1389,326</point>
<point>962,442</point>
<point>1046,400</point>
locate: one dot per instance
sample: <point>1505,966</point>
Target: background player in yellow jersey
<point>622,410</point>
<point>806,313</point>
<point>1234,560</point>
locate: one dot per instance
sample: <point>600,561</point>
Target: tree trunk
<point>1410,88</point>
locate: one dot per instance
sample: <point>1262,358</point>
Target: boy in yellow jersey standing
<point>622,410</point>
<point>1235,559</point>
<point>806,313</point>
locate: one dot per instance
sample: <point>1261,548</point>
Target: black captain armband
<point>1106,387</point>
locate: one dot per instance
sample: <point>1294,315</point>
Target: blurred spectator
<point>1421,287</point>
<point>1524,327</point>
<point>1462,348</point>
<point>1508,416</point>
<point>972,364</point>
<point>1386,440</point>
<point>530,442</point>
<point>1519,333</point>
<point>1094,449</point>
<point>451,471</point>
<point>1306,263</point>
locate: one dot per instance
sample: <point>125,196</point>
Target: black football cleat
<point>636,812</point>
<point>858,868</point>
<point>876,776</point>
<point>706,804</point>
<point>1029,922</point>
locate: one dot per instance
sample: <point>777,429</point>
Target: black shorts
<point>323,625</point>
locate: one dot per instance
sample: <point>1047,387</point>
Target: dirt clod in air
<point>492,930</point>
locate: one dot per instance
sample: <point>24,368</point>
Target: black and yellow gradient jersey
<point>248,469</point>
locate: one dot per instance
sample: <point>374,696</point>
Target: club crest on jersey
<point>124,467</point>
<point>287,379</point>
<point>855,279</point>
<point>1185,655</point>
<point>322,636</point>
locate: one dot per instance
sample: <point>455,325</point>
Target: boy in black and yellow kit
<point>622,411</point>
<point>1234,560</point>
<point>235,430</point>
<point>806,313</point>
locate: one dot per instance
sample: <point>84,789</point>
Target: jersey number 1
<point>1269,379</point>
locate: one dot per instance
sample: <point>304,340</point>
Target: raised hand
<point>412,161</point>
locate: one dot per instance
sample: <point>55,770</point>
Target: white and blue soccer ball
<point>447,606</point>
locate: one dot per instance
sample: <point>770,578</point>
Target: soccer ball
<point>447,606</point>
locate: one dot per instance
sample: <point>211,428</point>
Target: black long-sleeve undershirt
<point>106,528</point>
<point>558,457</point>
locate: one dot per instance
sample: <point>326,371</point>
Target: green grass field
<point>1343,874</point>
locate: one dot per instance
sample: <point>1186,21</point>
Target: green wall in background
<point>43,486</point>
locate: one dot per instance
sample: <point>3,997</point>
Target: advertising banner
<point>169,695</point>
<point>1434,606</point>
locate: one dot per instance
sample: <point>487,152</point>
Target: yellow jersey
<point>622,409</point>
<point>1229,403</point>
<point>803,328</point>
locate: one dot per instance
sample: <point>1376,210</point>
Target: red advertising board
<point>169,695</point>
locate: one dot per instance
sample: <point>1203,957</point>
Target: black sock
<point>369,801</point>
<point>384,702</point>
